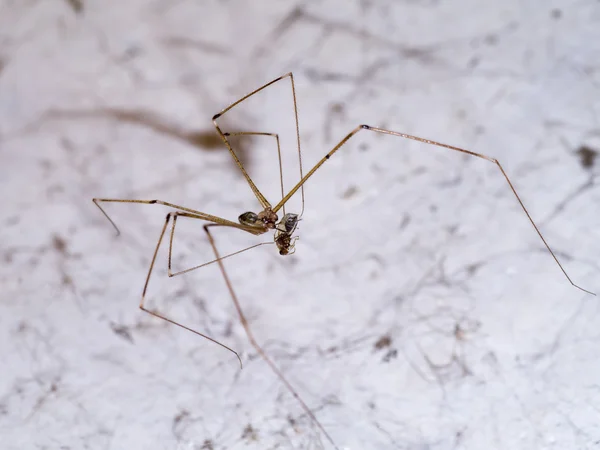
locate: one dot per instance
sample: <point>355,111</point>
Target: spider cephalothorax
<point>268,217</point>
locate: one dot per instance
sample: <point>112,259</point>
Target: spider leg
<point>181,272</point>
<point>260,197</point>
<point>160,315</point>
<point>276,136</point>
<point>198,214</point>
<point>253,341</point>
<point>438,144</point>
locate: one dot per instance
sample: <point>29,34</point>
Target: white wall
<point>491,347</point>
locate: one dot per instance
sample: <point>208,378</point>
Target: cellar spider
<point>266,220</point>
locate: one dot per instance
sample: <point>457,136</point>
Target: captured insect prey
<point>284,225</point>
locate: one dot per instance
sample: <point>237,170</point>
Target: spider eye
<point>248,218</point>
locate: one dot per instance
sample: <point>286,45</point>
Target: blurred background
<point>420,310</point>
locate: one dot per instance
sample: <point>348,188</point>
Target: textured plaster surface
<point>420,311</point>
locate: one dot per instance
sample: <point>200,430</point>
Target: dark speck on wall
<point>587,156</point>
<point>76,5</point>
<point>382,342</point>
<point>207,445</point>
<point>59,244</point>
<point>122,332</point>
<point>249,433</point>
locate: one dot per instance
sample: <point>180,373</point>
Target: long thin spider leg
<point>172,234</point>
<point>159,315</point>
<point>262,200</point>
<point>426,141</point>
<point>198,214</point>
<point>276,136</point>
<point>255,344</point>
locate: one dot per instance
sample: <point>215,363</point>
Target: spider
<point>266,220</point>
